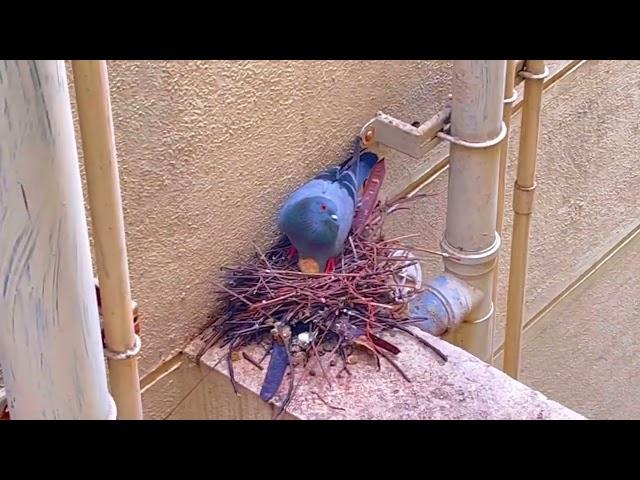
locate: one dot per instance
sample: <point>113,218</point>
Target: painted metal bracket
<point>409,139</point>
<point>134,308</point>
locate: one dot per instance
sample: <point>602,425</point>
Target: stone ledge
<point>464,388</point>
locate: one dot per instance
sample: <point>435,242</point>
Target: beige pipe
<point>103,185</point>
<point>510,97</point>
<point>470,234</point>
<point>523,195</point>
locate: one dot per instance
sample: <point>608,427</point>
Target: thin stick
<point>327,403</point>
<point>324,372</point>
<point>388,358</point>
<point>291,382</point>
<point>439,352</point>
<point>233,293</point>
<point>252,361</point>
<point>413,235</point>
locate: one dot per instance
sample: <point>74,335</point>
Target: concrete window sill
<point>463,388</point>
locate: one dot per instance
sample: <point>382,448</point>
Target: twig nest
<point>407,280</point>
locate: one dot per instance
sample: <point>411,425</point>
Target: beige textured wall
<point>585,353</point>
<point>588,183</point>
<point>209,149</point>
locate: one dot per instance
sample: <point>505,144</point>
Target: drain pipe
<point>50,344</point>
<point>523,195</point>
<point>91,83</point>
<point>510,97</point>
<point>459,302</point>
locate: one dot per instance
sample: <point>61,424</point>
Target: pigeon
<point>318,216</point>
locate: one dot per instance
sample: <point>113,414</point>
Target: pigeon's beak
<point>308,265</point>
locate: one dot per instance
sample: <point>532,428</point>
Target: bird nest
<point>298,317</point>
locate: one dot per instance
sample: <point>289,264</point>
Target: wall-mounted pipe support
<point>50,345</point>
<point>417,141</point>
<point>403,137</point>
<point>523,196</point>
<point>510,98</point>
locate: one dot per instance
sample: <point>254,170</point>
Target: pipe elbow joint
<point>444,304</point>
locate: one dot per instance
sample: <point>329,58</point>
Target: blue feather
<point>275,371</point>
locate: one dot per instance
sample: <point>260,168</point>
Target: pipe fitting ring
<point>127,354</point>
<point>523,198</point>
<point>472,258</point>
<point>534,76</point>
<point>485,318</point>
<point>487,144</point>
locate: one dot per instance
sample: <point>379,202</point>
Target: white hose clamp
<point>534,76</point>
<point>130,353</point>
<point>487,144</point>
<point>512,98</point>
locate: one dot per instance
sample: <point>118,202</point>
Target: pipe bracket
<point>523,198</point>
<point>135,313</point>
<point>406,138</point>
<point>127,354</point>
<point>534,76</point>
<point>487,144</point>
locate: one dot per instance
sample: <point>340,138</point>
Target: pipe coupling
<point>523,198</point>
<point>444,304</point>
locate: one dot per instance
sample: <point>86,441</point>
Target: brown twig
<point>252,361</point>
<point>327,403</point>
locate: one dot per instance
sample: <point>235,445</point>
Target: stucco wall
<point>586,352</point>
<point>209,149</point>
<point>588,179</point>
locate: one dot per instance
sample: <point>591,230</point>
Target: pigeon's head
<point>312,226</point>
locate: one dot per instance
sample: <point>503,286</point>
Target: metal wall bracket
<point>404,137</point>
<point>135,314</point>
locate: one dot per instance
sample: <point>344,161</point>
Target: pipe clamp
<point>534,76</point>
<point>127,354</point>
<point>487,144</point>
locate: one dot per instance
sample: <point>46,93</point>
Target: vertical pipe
<point>510,96</point>
<point>103,186</point>
<point>523,195</point>
<point>50,345</point>
<point>470,235</point>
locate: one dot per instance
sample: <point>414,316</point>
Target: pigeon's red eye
<point>323,207</point>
